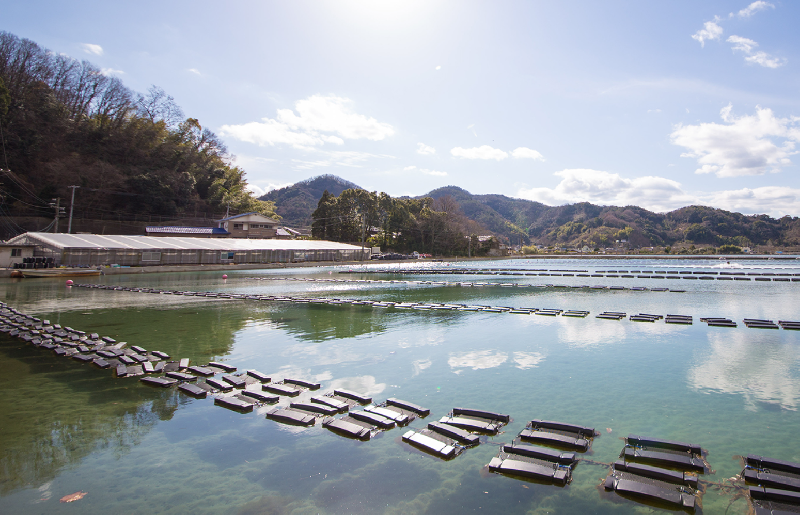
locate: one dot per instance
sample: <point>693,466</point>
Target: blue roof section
<point>185,230</point>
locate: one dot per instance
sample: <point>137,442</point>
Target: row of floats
<point>570,313</point>
<point>462,284</point>
<point>623,274</point>
<point>651,470</point>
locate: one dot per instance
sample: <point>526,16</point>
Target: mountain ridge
<point>521,221</point>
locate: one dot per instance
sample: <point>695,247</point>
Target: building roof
<point>147,243</point>
<point>283,232</point>
<point>247,214</point>
<point>185,230</point>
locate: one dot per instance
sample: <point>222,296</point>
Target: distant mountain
<point>295,203</point>
<point>517,220</point>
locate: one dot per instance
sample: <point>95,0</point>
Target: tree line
<point>400,224</point>
<point>65,122</point>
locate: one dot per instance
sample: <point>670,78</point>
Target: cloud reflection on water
<point>477,360</point>
<point>526,360</point>
<point>760,369</point>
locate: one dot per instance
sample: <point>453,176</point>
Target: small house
<point>250,225</point>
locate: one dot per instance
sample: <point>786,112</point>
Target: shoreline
<point>6,273</point>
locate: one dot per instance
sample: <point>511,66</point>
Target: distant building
<point>11,254</point>
<point>195,232</point>
<point>250,225</point>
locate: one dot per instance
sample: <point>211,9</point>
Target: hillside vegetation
<point>64,122</point>
<point>519,221</point>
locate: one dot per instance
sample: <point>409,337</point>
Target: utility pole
<point>56,204</point>
<point>71,205</point>
<point>363,230</point>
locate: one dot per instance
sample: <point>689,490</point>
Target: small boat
<point>60,272</point>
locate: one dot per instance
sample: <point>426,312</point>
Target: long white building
<point>96,249</point>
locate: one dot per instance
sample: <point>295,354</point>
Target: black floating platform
<point>340,406</point>
<point>192,390</point>
<point>663,444</point>
<point>775,495</point>
<point>374,419</point>
<point>235,381</point>
<point>586,432</point>
<point>347,394</point>
<point>219,385</point>
<point>399,418</point>
<point>549,437</point>
<point>255,374</point>
<point>348,429</point>
<point>290,416</point>
<point>668,476</point>
<point>314,408</point>
<point>163,382</point>
<point>458,434</point>
<point>559,475</point>
<point>281,389</point>
<point>201,371</point>
<point>408,406</point>
<point>429,445</point>
<point>221,366</point>
<point>260,396</point>
<point>470,424</point>
<point>665,459</point>
<point>304,384</point>
<point>651,491</point>
<point>488,415</point>
<point>542,453</point>
<point>234,403</point>
<point>181,376</point>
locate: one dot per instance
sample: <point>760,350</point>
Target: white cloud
<point>753,8</point>
<point>346,158</point>
<point>742,146</point>
<point>194,70</point>
<point>425,171</point>
<point>439,67</point>
<point>709,31</point>
<point>110,71</point>
<point>660,194</point>
<point>599,187</point>
<point>747,47</point>
<point>259,191</point>
<point>89,48</point>
<point>527,153</point>
<point>654,111</point>
<point>319,120</point>
<point>482,152</point>
<point>425,150</point>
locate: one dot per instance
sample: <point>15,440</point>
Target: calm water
<point>66,427</point>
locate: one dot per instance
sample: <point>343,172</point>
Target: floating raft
<point>760,324</point>
<point>633,485</point>
<point>234,403</point>
<point>774,484</point>
<point>193,390</point>
<point>718,322</point>
<point>664,453</point>
<point>476,421</point>
<point>427,443</point>
<point>291,416</point>
<point>558,433</point>
<point>535,462</point>
<point>347,428</point>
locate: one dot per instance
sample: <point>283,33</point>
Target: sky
<point>656,104</point>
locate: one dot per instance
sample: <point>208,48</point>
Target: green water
<point>67,427</point>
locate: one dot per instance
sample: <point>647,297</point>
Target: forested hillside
<point>519,221</point>
<point>295,203</point>
<point>66,123</point>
